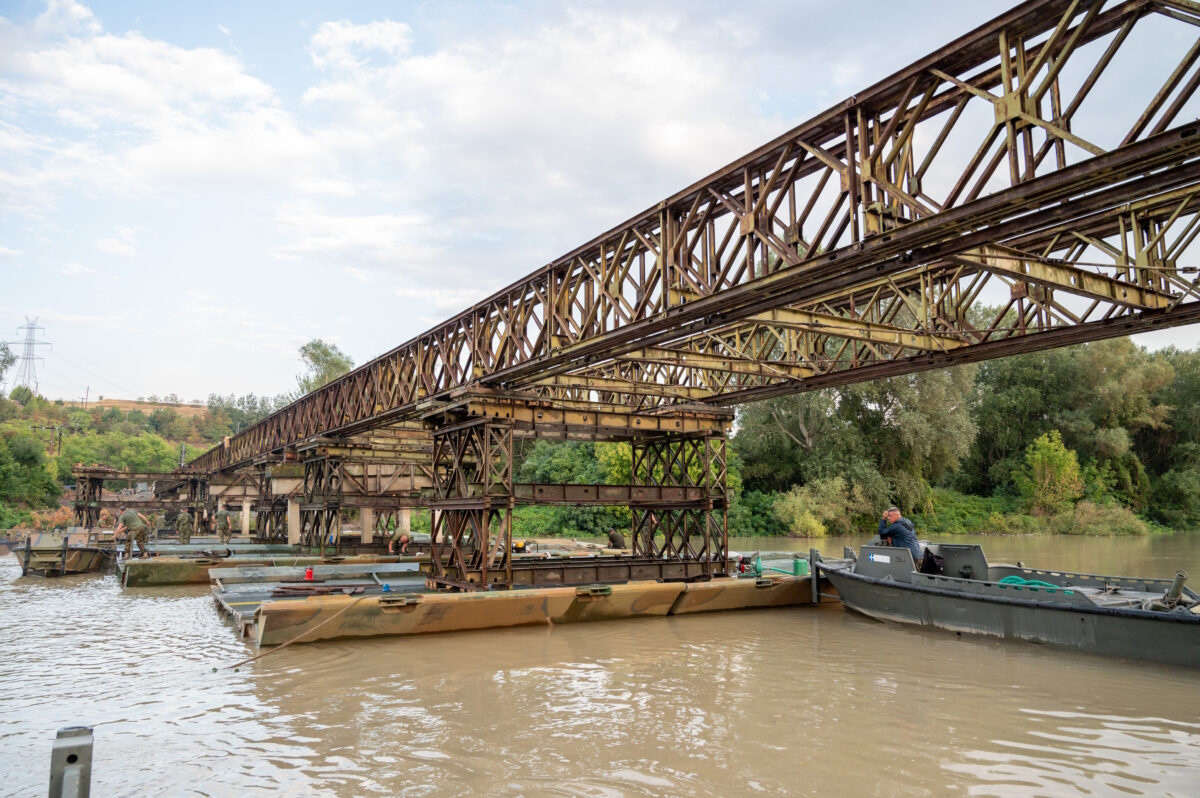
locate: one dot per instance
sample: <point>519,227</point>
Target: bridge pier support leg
<point>366,520</point>
<point>686,533</point>
<point>321,513</point>
<point>88,492</point>
<point>293,522</point>
<point>473,504</point>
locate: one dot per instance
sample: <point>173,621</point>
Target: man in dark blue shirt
<point>896,530</point>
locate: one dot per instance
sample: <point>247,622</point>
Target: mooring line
<point>297,637</point>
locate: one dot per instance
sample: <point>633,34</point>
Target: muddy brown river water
<point>797,701</point>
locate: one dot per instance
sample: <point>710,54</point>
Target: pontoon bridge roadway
<point>1005,194</point>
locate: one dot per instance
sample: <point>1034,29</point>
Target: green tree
<point>21,395</point>
<point>1102,397</point>
<point>1020,398</point>
<point>752,514</point>
<point>890,439</point>
<point>572,463</point>
<point>1051,481</point>
<point>7,358</point>
<point>1156,445</point>
<point>323,364</point>
<point>24,478</point>
<point>823,506</point>
<point>145,452</point>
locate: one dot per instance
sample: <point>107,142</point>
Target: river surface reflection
<point>781,702</point>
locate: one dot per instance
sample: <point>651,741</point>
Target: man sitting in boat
<point>896,530</point>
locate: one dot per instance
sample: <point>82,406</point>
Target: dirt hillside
<point>187,411</point>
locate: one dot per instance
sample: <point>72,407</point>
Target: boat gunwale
<point>843,570</point>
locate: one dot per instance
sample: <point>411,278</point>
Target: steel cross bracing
<point>90,498</point>
<point>1009,192</point>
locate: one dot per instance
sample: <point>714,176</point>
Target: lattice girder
<point>698,534</point>
<point>321,508</point>
<point>963,155</point>
<point>471,537</point>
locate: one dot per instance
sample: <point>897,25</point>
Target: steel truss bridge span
<point>1015,190</point>
<point>853,246</point>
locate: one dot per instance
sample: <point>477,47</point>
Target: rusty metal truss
<point>473,503</point>
<point>697,533</point>
<point>89,493</point>
<point>270,510</point>
<point>992,198</point>
<point>185,490</point>
<point>321,505</point>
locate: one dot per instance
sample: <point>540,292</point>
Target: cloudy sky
<point>190,191</point>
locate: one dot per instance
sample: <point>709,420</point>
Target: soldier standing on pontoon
<point>223,526</point>
<point>183,527</point>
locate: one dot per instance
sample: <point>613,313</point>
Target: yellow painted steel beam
<point>856,329</point>
<point>1065,277</point>
<point>715,362</point>
<point>581,416</point>
<point>616,385</point>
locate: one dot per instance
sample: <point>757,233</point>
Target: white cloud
<point>263,147</point>
<point>346,46</point>
<point>74,268</point>
<point>355,274</point>
<point>123,242</point>
<point>87,320</point>
<point>130,80</point>
<point>66,16</point>
<point>559,106</point>
<point>445,300</point>
<point>7,252</point>
<point>316,234</point>
<point>135,114</point>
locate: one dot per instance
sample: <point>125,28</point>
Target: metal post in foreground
<point>71,763</point>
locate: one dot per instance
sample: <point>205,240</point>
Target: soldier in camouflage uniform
<point>183,527</point>
<point>134,525</point>
<point>223,526</point>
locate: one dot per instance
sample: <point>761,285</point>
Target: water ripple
<point>766,703</point>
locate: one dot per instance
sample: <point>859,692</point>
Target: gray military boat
<point>1147,619</point>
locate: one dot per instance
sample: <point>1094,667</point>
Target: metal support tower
<point>27,370</point>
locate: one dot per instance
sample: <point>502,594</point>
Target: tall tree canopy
<point>890,438</point>
<point>323,364</point>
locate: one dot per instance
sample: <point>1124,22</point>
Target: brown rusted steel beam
<point>105,473</point>
<point>682,496</point>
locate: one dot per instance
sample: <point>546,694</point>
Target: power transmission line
<point>27,371</point>
<point>115,381</point>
